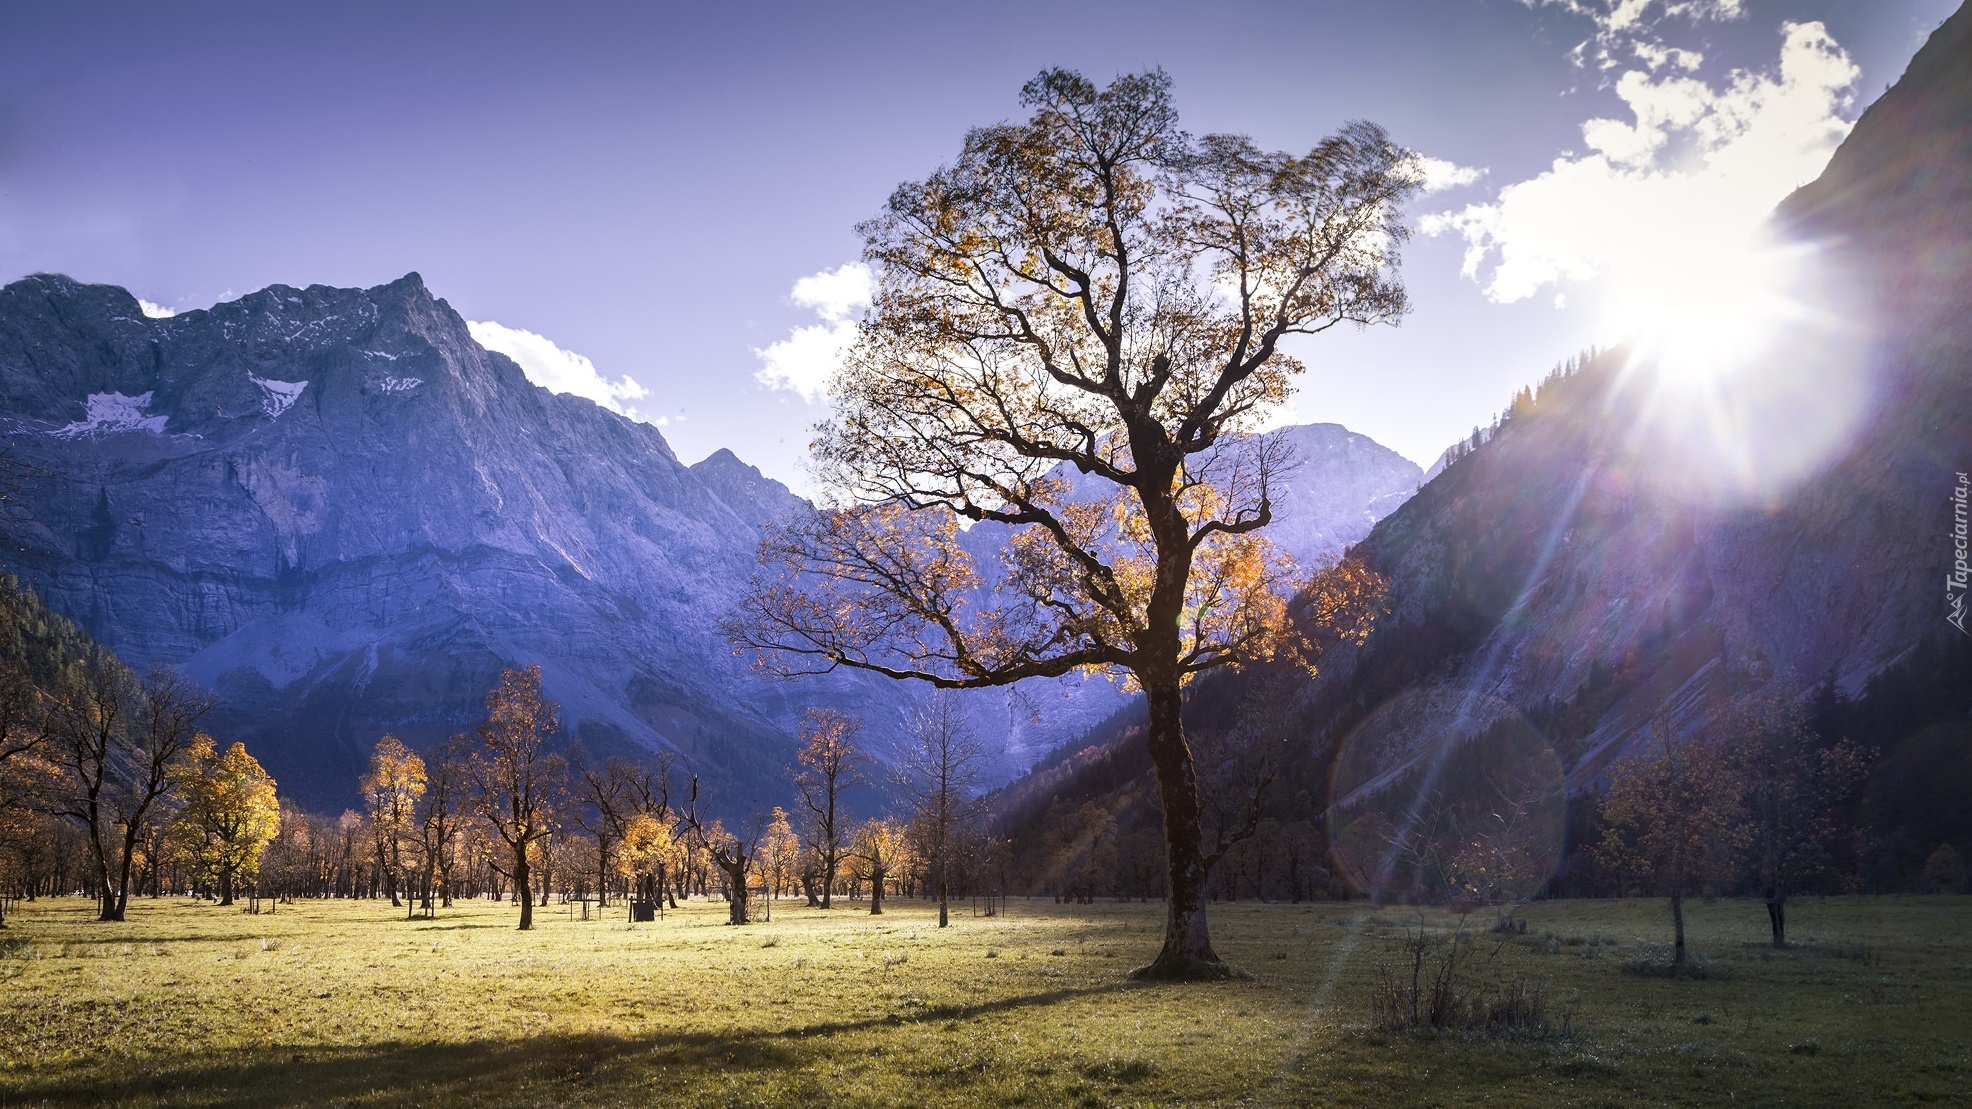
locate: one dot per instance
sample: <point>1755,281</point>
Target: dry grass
<point>340,1003</point>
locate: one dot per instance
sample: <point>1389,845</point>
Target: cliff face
<point>345,516</point>
<point>1601,562</point>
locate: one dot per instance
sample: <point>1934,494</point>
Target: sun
<point>1696,316</point>
<point>1748,368</point>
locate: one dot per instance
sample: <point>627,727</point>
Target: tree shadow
<point>573,1065</point>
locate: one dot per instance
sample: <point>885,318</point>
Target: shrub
<point>1435,985</point>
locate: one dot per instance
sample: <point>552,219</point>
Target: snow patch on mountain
<point>277,396</point>
<point>109,413</point>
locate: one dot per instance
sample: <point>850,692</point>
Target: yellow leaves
<point>229,812</point>
<point>647,844</point>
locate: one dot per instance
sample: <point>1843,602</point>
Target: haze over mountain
<point>344,515</point>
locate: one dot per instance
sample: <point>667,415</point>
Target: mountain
<point>340,512</point>
<point>345,516</point>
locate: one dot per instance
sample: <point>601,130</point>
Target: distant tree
<point>391,788</point>
<point>1078,328</point>
<point>734,853</point>
<point>1944,870</point>
<point>439,818</point>
<point>644,855</point>
<point>828,764</point>
<point>117,742</point>
<point>511,776</point>
<point>879,846</point>
<point>1672,818</point>
<point>780,852</point>
<point>228,813</point>
<point>603,790</point>
<point>941,769</point>
<point>1796,792</point>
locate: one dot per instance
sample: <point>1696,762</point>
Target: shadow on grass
<point>480,1072</point>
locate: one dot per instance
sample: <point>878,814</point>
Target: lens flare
<point>1447,795</point>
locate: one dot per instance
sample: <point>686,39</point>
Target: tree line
<point>109,788</point>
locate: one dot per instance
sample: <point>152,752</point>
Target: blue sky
<point>634,190</point>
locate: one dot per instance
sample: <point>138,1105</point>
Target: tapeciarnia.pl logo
<point>1961,573</point>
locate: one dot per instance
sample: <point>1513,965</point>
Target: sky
<point>653,204</point>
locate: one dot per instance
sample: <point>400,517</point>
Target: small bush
<point>1435,986</point>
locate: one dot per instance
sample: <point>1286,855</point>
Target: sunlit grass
<point>341,1003</point>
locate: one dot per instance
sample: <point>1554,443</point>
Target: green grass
<point>341,1003</point>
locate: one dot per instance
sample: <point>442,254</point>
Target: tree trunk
<point>736,903</point>
<point>1187,951</point>
<point>523,888</point>
<point>1777,917</point>
<point>225,888</point>
<point>1677,924</point>
<point>876,891</point>
<point>944,902</point>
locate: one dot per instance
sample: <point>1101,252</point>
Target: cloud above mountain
<point>803,362</point>
<point>1696,168</point>
<point>561,371</point>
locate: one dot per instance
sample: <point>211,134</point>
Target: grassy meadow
<point>344,1003</point>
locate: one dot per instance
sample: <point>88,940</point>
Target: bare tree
<point>607,799</point>
<point>118,742</point>
<point>734,853</point>
<point>438,821</point>
<point>941,769</point>
<point>1078,326</point>
<point>829,763</point>
<point>24,723</point>
<point>511,775</point>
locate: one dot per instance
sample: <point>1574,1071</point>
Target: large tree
<point>1078,324</point>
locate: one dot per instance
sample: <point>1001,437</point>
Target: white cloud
<point>1440,174</point>
<point>156,311</point>
<point>838,293</point>
<point>1629,27</point>
<point>561,371</point>
<point>804,361</point>
<point>1697,171</point>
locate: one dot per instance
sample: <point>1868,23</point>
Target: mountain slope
<point>1592,568</point>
